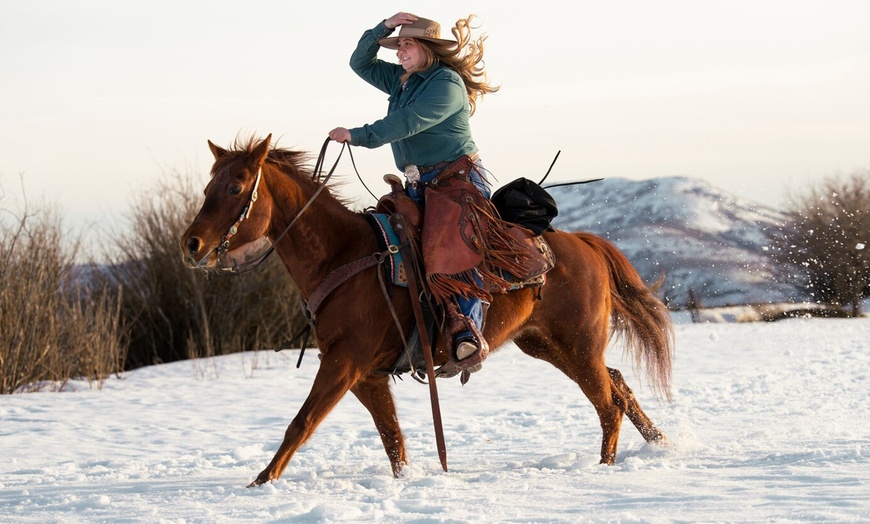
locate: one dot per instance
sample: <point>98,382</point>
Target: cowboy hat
<point>422,29</point>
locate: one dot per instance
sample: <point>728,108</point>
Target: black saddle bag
<point>526,203</point>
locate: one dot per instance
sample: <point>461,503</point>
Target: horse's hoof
<point>401,471</point>
<point>261,479</point>
<point>662,440</point>
<point>654,436</point>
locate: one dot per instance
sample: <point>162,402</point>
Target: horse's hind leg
<point>633,410</point>
<point>593,377</point>
<point>374,393</point>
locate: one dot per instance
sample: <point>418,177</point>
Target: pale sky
<point>98,99</point>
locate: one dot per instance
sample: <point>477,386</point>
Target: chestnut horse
<point>592,293</point>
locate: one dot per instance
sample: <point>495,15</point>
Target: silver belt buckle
<point>412,173</point>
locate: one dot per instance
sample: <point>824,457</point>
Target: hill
<point>699,237</point>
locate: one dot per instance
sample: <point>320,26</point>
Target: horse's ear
<point>216,150</point>
<point>258,155</point>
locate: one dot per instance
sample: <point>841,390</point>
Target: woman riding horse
<point>433,92</point>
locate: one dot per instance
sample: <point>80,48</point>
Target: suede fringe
<point>501,254</point>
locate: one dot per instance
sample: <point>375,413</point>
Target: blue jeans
<point>471,307</point>
<point>477,179</point>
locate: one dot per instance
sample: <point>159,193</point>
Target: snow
<point>768,423</point>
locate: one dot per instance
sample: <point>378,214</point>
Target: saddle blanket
<point>395,265</point>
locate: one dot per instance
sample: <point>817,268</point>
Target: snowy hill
<point>701,238</point>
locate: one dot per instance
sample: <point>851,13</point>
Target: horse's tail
<point>638,316</point>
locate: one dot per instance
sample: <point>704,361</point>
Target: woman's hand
<point>399,19</point>
<point>340,134</point>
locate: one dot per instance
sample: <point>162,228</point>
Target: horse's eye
<point>235,190</point>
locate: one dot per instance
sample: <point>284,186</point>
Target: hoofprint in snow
<point>768,423</point>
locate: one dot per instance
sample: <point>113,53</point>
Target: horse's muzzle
<point>191,248</point>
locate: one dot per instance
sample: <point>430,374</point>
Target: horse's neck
<point>325,236</point>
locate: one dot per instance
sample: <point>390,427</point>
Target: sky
<point>101,99</point>
<point>766,425</point>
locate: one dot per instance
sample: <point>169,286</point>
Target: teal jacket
<point>427,120</point>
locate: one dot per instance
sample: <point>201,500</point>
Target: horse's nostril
<point>192,245</point>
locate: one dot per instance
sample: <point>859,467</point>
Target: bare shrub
<point>93,320</point>
<point>824,246</point>
<point>174,313</point>
<point>51,328</point>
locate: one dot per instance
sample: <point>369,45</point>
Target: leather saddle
<point>452,244</point>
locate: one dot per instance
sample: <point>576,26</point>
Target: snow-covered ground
<point>769,423</point>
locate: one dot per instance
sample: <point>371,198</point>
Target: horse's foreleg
<point>374,393</point>
<point>330,385</point>
<point>633,410</point>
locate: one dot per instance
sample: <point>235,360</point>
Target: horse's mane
<point>297,161</point>
<point>288,161</point>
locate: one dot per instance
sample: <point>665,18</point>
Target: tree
<point>825,242</point>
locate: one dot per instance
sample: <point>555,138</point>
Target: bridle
<point>225,240</point>
<point>223,247</point>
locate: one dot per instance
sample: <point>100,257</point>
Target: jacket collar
<point>428,72</point>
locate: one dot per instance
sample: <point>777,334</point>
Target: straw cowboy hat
<point>422,29</point>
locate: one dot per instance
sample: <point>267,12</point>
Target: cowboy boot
<point>470,349</point>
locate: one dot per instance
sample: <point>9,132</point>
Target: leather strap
<point>474,157</point>
<point>414,275</point>
<point>338,276</point>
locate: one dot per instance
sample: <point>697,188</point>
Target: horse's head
<point>235,215</point>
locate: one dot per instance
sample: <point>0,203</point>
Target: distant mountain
<point>701,238</point>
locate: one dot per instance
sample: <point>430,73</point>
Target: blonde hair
<point>465,57</point>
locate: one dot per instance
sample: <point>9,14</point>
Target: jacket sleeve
<point>442,97</point>
<point>365,63</point>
